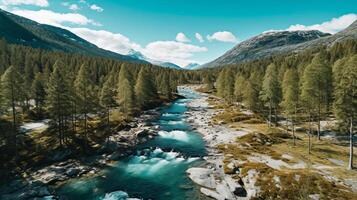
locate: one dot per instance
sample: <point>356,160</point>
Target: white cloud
<point>199,37</point>
<point>41,3</point>
<point>96,8</point>
<point>54,18</point>
<point>181,37</point>
<point>74,7</point>
<point>166,51</point>
<point>172,51</point>
<point>223,36</point>
<point>332,26</point>
<point>115,42</point>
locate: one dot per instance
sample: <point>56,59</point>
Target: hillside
<point>273,43</point>
<point>19,30</point>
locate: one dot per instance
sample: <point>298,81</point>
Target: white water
<point>148,164</point>
<point>175,135</point>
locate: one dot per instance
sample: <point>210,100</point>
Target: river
<point>158,169</point>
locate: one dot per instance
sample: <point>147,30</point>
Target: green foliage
<point>345,104</point>
<point>271,91</point>
<point>125,91</point>
<point>239,86</point>
<point>290,88</point>
<point>145,89</point>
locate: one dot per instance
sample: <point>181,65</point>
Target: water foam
<point>117,195</point>
<point>150,162</point>
<point>175,135</point>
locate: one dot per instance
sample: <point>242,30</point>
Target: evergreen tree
<point>239,85</point>
<point>107,98</point>
<point>85,90</point>
<point>38,93</point>
<point>250,96</point>
<point>229,85</point>
<point>12,94</point>
<point>316,86</point>
<point>165,86</point>
<point>208,81</point>
<point>290,101</point>
<point>345,104</point>
<point>271,91</point>
<point>220,84</point>
<point>59,100</point>
<point>145,89</point>
<point>125,91</point>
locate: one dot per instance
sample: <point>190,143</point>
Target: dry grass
<point>276,142</point>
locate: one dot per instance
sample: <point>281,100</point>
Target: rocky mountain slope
<point>20,30</point>
<point>273,43</point>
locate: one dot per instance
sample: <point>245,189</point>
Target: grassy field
<point>284,171</point>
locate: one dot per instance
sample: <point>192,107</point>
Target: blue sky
<point>151,26</point>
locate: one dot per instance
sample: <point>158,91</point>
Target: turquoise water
<point>157,170</point>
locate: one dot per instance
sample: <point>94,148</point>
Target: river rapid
<point>157,170</point>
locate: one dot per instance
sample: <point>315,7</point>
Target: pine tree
<point>271,91</point>
<point>125,91</point>
<point>145,89</point>
<point>59,99</point>
<point>250,96</point>
<point>12,94</point>
<point>85,90</point>
<point>165,86</point>
<point>38,93</point>
<point>239,86</point>
<point>208,81</point>
<point>229,85</point>
<point>107,98</point>
<point>316,87</point>
<point>290,101</point>
<point>345,104</point>
<point>220,84</point>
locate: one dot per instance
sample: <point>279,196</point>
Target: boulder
<point>202,176</point>
<point>72,172</point>
<point>211,193</point>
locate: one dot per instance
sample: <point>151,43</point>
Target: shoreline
<point>41,181</point>
<point>211,178</point>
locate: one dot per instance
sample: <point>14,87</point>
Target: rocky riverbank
<point>249,159</point>
<point>37,182</point>
<point>211,177</point>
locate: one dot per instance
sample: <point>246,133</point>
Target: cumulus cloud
<point>41,3</point>
<point>181,37</point>
<point>223,36</point>
<point>172,51</point>
<point>54,18</point>
<point>333,26</point>
<point>96,8</point>
<point>199,37</point>
<point>167,51</point>
<point>115,42</point>
<point>73,7</point>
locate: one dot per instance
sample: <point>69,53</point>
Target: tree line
<point>308,86</point>
<point>69,89</point>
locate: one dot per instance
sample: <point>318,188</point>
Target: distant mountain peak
<point>138,55</point>
<point>265,45</point>
<point>192,66</point>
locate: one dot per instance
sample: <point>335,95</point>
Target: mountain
<point>273,43</point>
<point>264,45</point>
<point>192,66</point>
<point>20,30</point>
<point>139,55</point>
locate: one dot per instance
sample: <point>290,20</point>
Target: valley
<point>89,113</point>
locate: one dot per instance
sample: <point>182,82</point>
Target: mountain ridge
<point>281,42</point>
<point>19,30</point>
